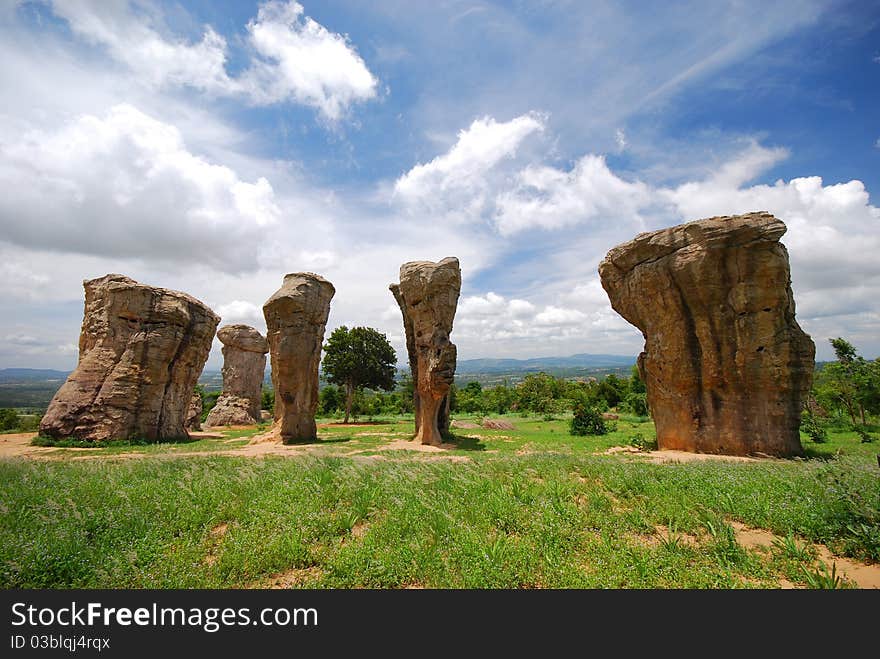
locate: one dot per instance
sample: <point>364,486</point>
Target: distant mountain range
<point>8,375</point>
<point>580,361</point>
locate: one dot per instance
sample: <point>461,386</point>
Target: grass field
<point>531,507</point>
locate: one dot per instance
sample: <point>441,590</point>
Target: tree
<point>851,382</point>
<point>357,358</point>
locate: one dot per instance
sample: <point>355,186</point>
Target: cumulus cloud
<point>833,232</point>
<point>241,312</point>
<point>459,182</point>
<point>560,328</point>
<point>125,184</point>
<point>551,198</point>
<point>302,61</point>
<point>293,57</point>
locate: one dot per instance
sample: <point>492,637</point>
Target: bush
<point>8,419</point>
<point>637,403</point>
<point>864,435</point>
<point>811,426</point>
<point>638,440</point>
<point>588,420</point>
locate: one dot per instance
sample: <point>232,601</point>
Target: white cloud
<point>241,312</point>
<point>459,181</point>
<point>294,58</point>
<point>620,139</point>
<point>125,184</point>
<point>304,62</point>
<point>550,198</point>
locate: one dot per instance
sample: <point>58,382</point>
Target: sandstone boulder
<point>428,296</point>
<point>726,365</point>
<point>296,316</point>
<point>244,366</point>
<point>194,413</point>
<point>141,351</point>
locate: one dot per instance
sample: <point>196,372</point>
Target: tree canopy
<point>357,358</point>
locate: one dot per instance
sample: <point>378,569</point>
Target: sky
<point>211,147</point>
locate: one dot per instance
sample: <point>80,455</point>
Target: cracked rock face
<point>725,364</point>
<point>244,366</point>
<point>141,351</point>
<point>296,316</point>
<point>428,297</point>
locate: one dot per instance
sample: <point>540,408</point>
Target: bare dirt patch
<point>863,575</point>
<point>671,457</point>
<point>664,535</point>
<point>293,578</point>
<point>498,424</point>
<point>464,425</point>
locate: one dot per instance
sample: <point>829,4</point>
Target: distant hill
<point>9,375</point>
<point>573,362</point>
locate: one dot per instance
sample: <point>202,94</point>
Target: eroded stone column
<point>726,365</point>
<point>244,366</point>
<point>141,351</point>
<point>296,316</point>
<point>428,297</point>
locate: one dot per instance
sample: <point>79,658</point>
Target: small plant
<point>864,435</point>
<point>823,578</point>
<point>792,549</point>
<point>815,430</point>
<point>638,441</point>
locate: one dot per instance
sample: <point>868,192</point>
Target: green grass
<point>531,507</point>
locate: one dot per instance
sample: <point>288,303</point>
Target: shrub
<point>864,435</point>
<point>8,419</point>
<point>813,428</point>
<point>588,420</point>
<point>638,440</point>
<point>637,403</point>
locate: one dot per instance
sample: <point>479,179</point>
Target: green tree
<point>8,419</point>
<point>636,384</point>
<point>357,358</point>
<point>329,399</point>
<point>851,383</point>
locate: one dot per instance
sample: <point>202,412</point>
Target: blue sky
<point>212,147</point>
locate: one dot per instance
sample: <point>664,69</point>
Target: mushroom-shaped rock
<point>725,364</point>
<point>141,351</point>
<point>244,366</point>
<point>428,297</point>
<point>296,316</point>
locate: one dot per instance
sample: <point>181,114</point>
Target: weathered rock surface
<point>194,413</point>
<point>726,365</point>
<point>141,350</point>
<point>244,366</point>
<point>428,297</point>
<point>296,316</point>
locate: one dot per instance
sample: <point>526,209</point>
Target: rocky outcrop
<point>296,316</point>
<point>428,296</point>
<point>194,413</point>
<point>141,351</point>
<point>726,365</point>
<point>244,366</point>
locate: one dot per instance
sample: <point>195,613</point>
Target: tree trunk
<point>862,413</point>
<point>349,396</point>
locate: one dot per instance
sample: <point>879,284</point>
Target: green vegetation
<point>587,420</point>
<point>13,421</point>
<point>357,358</point>
<point>529,507</point>
<point>845,396</point>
